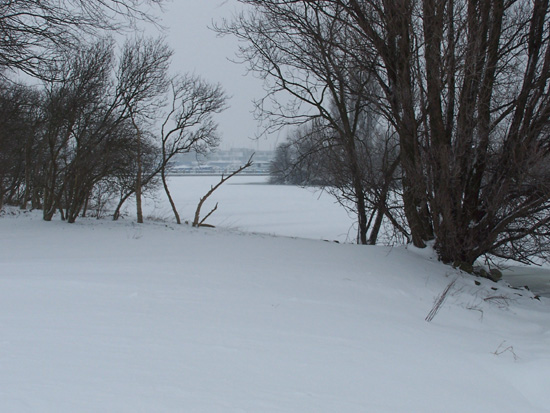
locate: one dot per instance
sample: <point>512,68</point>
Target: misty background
<point>198,49</point>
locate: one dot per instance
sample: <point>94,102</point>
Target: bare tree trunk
<point>197,222</point>
<point>376,227</point>
<point>123,199</point>
<point>48,203</point>
<point>361,212</point>
<point>124,196</point>
<point>86,203</point>
<point>172,203</point>
<point>138,190</point>
<point>36,201</point>
<point>28,162</point>
<point>1,193</point>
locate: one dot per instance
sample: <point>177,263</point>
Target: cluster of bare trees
<point>301,53</point>
<point>36,33</point>
<point>312,155</point>
<point>105,122</point>
<point>457,96</point>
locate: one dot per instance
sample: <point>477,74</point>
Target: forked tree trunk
<point>197,222</point>
<point>123,199</point>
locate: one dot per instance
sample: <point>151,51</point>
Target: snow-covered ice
<point>119,317</point>
<point>247,203</point>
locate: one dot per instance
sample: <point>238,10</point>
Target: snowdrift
<point>112,316</point>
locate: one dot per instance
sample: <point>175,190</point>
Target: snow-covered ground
<point>103,316</point>
<point>248,204</point>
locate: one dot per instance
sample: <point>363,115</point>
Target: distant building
<point>222,162</point>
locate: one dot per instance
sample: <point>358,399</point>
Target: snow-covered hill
<point>116,317</point>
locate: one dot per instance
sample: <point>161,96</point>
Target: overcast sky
<point>199,50</point>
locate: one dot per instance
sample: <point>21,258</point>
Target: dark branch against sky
<point>201,51</point>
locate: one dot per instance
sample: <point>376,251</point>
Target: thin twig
<point>439,301</point>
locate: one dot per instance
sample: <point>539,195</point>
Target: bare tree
<point>35,33</point>
<point>188,123</point>
<point>125,180</point>
<point>466,87</point>
<point>19,124</point>
<point>295,163</point>
<point>297,48</point>
<point>463,83</point>
<point>88,132</point>
<point>313,155</point>
<point>95,122</point>
<point>76,120</point>
<point>183,105</point>
<point>142,83</point>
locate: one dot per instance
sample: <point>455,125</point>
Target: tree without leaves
<point>19,122</point>
<point>72,109</point>
<point>34,34</point>
<point>467,87</point>
<point>188,123</point>
<point>84,136</point>
<point>95,126</point>
<point>124,182</point>
<point>197,221</point>
<point>312,156</point>
<point>142,81</point>
<point>295,163</point>
<point>297,50</point>
<point>85,132</point>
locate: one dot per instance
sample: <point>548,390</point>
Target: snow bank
<point>103,316</point>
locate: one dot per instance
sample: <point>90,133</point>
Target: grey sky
<point>199,50</point>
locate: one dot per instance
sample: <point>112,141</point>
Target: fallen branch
<point>197,222</point>
<point>500,300</point>
<point>501,350</point>
<point>439,301</point>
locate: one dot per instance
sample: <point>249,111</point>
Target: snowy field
<point>103,316</point>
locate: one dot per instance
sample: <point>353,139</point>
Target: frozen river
<point>249,204</point>
<point>536,278</point>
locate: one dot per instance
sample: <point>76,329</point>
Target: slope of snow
<point>103,316</point>
<point>119,317</point>
<point>249,204</point>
